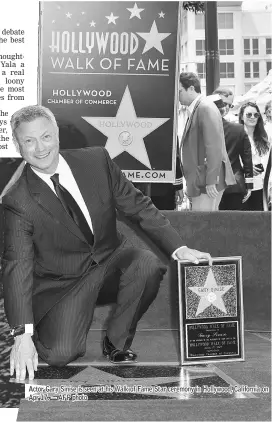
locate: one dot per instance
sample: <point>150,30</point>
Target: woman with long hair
<point>268,120</point>
<point>251,118</point>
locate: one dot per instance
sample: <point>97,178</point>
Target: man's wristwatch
<point>21,329</point>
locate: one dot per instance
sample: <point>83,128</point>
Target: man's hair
<point>28,114</point>
<point>223,91</point>
<point>188,79</point>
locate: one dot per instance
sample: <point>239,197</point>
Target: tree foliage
<point>193,6</point>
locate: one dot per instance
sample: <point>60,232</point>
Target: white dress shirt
<point>192,105</point>
<point>67,180</point>
<point>182,119</point>
<point>258,180</point>
<point>184,116</point>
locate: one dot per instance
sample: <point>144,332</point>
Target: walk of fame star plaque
<point>211,311</point>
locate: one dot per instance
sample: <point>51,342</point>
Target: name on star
<point>211,289</point>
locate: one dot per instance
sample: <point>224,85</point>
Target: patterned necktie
<point>72,208</point>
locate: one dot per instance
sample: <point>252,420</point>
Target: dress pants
<point>130,277</point>
<point>255,201</point>
<point>204,203</point>
<point>232,201</point>
<point>166,199</point>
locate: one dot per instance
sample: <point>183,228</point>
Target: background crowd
<point>247,138</point>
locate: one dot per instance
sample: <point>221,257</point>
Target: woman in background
<point>268,120</point>
<point>252,120</point>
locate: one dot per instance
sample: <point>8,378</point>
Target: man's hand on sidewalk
<point>23,356</point>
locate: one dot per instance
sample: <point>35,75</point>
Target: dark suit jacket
<point>204,156</point>
<point>238,145</point>
<point>45,253</point>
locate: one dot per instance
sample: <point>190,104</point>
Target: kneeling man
<point>61,248</point>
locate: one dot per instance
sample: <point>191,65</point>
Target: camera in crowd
<point>260,167</point>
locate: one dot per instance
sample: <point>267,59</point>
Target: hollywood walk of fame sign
<point>211,311</point>
<point>109,72</point>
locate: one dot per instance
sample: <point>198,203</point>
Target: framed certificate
<point>211,311</point>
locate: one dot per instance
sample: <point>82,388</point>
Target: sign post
<point>211,47</point>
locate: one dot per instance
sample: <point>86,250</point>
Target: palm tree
<point>193,6</point>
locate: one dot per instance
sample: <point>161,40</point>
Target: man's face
<point>227,102</point>
<point>38,143</point>
<point>185,96</point>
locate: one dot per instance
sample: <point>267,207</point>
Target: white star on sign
<point>135,11</point>
<point>153,38</point>
<point>211,294</point>
<point>126,131</point>
<point>161,15</point>
<point>69,15</point>
<point>92,23</point>
<point>111,18</point>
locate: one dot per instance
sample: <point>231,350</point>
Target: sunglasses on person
<point>255,115</point>
<point>228,105</point>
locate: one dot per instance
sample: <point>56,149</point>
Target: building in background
<point>245,45</point>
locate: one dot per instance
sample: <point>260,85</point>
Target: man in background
<point>204,159</point>
<point>239,153</point>
<point>227,97</point>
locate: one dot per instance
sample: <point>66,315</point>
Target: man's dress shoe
<point>116,355</point>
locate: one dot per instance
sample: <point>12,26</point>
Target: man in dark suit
<point>239,153</point>
<point>61,247</point>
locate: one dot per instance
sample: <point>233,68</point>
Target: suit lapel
<point>189,122</point>
<point>46,199</point>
